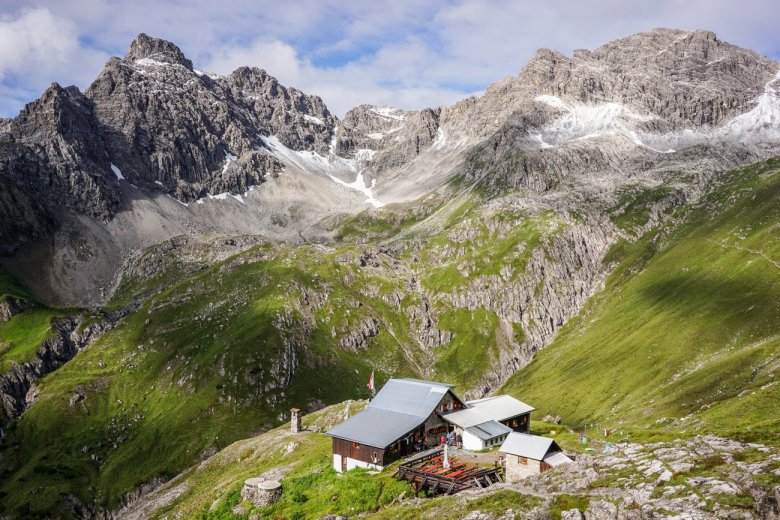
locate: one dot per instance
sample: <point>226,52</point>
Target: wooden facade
<point>357,451</point>
<point>520,423</point>
<point>425,435</point>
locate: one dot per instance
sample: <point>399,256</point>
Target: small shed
<point>528,455</point>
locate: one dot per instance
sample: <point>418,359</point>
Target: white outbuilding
<point>477,431</point>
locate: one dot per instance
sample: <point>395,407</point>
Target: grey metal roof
<point>500,407</point>
<point>530,446</point>
<point>399,407</point>
<point>557,458</point>
<point>376,427</point>
<point>424,382</point>
<point>488,430</point>
<point>466,418</point>
<point>410,396</point>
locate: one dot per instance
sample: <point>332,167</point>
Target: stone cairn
<point>261,492</point>
<point>295,420</point>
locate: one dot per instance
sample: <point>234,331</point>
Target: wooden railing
<point>427,472</point>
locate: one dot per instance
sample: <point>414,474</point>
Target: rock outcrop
<point>10,306</point>
<point>68,336</point>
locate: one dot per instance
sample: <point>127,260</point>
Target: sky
<point>404,53</point>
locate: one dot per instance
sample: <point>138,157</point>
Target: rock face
<point>357,339</point>
<point>368,127</point>
<point>23,219</point>
<point>11,306</point>
<point>682,79</point>
<point>151,119</point>
<point>190,133</point>
<point>168,128</point>
<point>52,156</point>
<point>58,154</point>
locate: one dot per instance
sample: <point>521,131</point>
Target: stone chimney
<point>295,420</point>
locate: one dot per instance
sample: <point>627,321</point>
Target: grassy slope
<point>447,246</point>
<point>21,336</point>
<point>200,353</point>
<point>688,326</point>
<point>192,370</point>
<point>311,489</point>
<point>305,458</point>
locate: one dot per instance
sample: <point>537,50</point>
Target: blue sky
<point>410,54</point>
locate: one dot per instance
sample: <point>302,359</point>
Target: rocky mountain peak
<point>243,76</point>
<point>62,110</point>
<point>157,49</point>
<point>52,96</point>
<point>153,123</point>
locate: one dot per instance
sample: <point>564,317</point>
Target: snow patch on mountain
<point>117,172</point>
<point>360,185</point>
<point>315,120</point>
<point>389,112</point>
<point>763,121</point>
<point>333,166</point>
<point>229,157</point>
<point>586,121</point>
<point>442,141</point>
<point>177,200</point>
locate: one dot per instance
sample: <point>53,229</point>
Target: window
<point>522,460</point>
<point>375,458</point>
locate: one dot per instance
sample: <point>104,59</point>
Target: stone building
<point>527,455</point>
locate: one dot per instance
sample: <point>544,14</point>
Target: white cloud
<point>393,76</point>
<point>401,52</point>
<point>37,48</point>
<point>274,56</point>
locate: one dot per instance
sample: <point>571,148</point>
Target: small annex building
<point>528,455</point>
<point>505,409</point>
<point>476,430</point>
<point>405,415</point>
<point>486,423</point>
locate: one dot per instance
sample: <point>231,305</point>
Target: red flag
<point>370,384</point>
